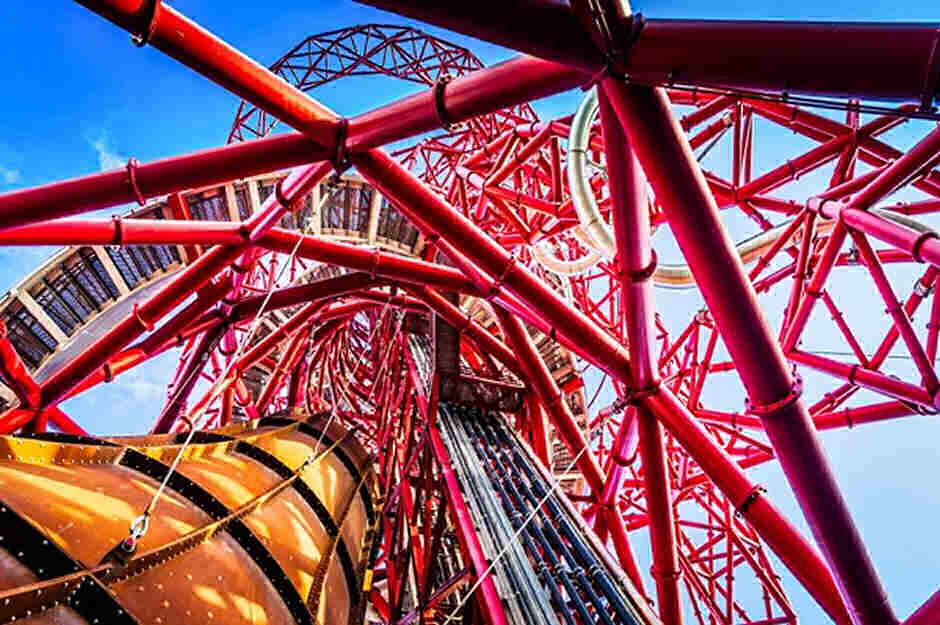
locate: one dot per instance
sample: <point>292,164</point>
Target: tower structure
<point>385,403</point>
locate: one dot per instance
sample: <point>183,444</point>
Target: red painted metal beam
<point>927,614</point>
<point>630,212</point>
<point>798,555</point>
<point>111,188</point>
<point>693,216</point>
<point>877,61</point>
<point>187,380</point>
<point>146,314</point>
<point>15,373</point>
<point>435,216</point>
<point>288,361</point>
<point>552,399</point>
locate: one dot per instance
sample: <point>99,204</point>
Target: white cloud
<point>108,158</point>
<point>141,389</point>
<point>9,176</point>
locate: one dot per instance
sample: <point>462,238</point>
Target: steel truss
<point>489,237</point>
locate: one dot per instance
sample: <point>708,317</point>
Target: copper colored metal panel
<point>237,533</point>
<point>213,583</point>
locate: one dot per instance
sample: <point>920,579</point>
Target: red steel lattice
<point>494,198</point>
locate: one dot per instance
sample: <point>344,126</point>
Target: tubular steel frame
<point>483,194</point>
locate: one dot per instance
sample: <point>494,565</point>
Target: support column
<point>693,216</point>
<point>231,203</point>
<point>317,213</point>
<point>375,209</point>
<point>254,198</point>
<point>41,315</point>
<point>112,270</point>
<point>636,262</point>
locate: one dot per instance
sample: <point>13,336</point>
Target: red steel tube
<point>167,232</point>
<point>492,605</point>
<point>111,188</point>
<point>551,398</point>
<point>927,614</point>
<point>693,217</point>
<point>630,213</point>
<point>289,358</point>
<point>878,61</point>
<point>260,349</point>
<point>146,314</point>
<point>922,246</point>
<point>369,260</point>
<point>878,382</point>
<point>426,208</point>
<point>187,380</point>
<point>898,173</point>
<point>794,551</point>
<point>338,286</point>
<point>15,373</point>
<point>176,36</point>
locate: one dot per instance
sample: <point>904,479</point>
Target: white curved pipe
<point>582,195</point>
<point>598,236</point>
<point>543,254</point>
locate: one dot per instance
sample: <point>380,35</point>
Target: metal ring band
<point>647,272</point>
<point>279,195</point>
<point>915,249</point>
<point>748,500</point>
<point>142,38</point>
<point>796,391</point>
<point>440,106</point>
<point>131,167</point>
<point>118,239</point>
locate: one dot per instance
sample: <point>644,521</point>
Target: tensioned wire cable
<point>352,375</point>
<point>514,539</point>
<point>140,524</point>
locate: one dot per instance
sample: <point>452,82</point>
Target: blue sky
<point>79,97</point>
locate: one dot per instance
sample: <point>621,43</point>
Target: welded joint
<point>896,308</point>
<point>643,274</point>
<point>613,37</point>
<point>922,290</point>
<point>143,35</point>
<point>279,195</point>
<point>771,408</point>
<point>376,259</point>
<point>635,396</point>
<point>498,282</point>
<point>665,574</point>
<point>340,158</point>
<point>741,509</point>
